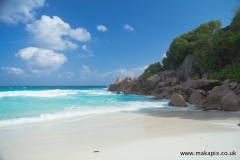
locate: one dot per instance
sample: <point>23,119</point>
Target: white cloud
<point>101,28</point>
<point>128,27</point>
<point>131,72</point>
<point>85,48</point>
<point>14,11</point>
<point>85,69</point>
<point>89,52</point>
<point>85,55</point>
<point>69,74</point>
<point>140,69</point>
<point>11,42</point>
<point>55,34</point>
<point>14,71</point>
<point>86,72</point>
<point>164,55</point>
<point>41,61</point>
<point>66,75</point>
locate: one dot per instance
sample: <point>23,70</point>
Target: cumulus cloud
<point>14,71</point>
<point>14,11</point>
<point>101,28</point>
<point>41,61</point>
<point>54,33</point>
<point>127,27</point>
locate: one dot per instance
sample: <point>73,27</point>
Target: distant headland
<point>201,67</point>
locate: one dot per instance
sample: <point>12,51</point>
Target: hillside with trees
<point>217,50</point>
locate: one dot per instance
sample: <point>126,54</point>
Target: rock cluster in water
<point>184,85</point>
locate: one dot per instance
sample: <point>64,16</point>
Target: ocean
<point>21,105</point>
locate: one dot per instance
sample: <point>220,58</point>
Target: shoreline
<point>146,133</point>
<point>185,84</point>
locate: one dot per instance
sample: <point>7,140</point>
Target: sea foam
<point>73,111</point>
<point>42,93</point>
<point>53,103</point>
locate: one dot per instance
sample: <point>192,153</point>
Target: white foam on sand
<point>74,111</point>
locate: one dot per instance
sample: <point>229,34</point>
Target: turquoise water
<point>34,104</point>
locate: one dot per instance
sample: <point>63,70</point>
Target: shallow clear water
<point>34,104</point>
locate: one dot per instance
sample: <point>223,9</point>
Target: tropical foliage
<point>217,49</point>
<point>231,72</point>
<point>152,69</point>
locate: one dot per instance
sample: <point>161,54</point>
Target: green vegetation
<point>217,49</point>
<point>230,71</point>
<point>188,44</point>
<point>152,69</point>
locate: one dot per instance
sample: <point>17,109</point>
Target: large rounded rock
<point>175,81</point>
<point>227,81</point>
<point>112,87</point>
<point>216,94</point>
<point>156,91</point>
<point>203,92</point>
<point>131,90</point>
<point>230,102</point>
<point>178,87</point>
<point>144,91</point>
<point>195,97</point>
<point>161,76</point>
<point>161,84</point>
<point>216,89</point>
<point>188,69</point>
<point>119,79</point>
<point>153,81</point>
<point>142,81</point>
<point>200,84</point>
<point>167,73</point>
<point>203,101</point>
<point>126,83</point>
<point>167,90</point>
<point>169,80</point>
<point>177,100</point>
<point>207,76</point>
<point>194,74</point>
<point>158,97</point>
<point>233,85</point>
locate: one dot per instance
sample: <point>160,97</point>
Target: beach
<point>119,80</point>
<point>143,134</point>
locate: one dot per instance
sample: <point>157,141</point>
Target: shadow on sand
<point>184,113</point>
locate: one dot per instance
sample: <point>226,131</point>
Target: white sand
<point>145,135</point>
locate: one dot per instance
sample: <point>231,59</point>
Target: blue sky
<point>92,42</point>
